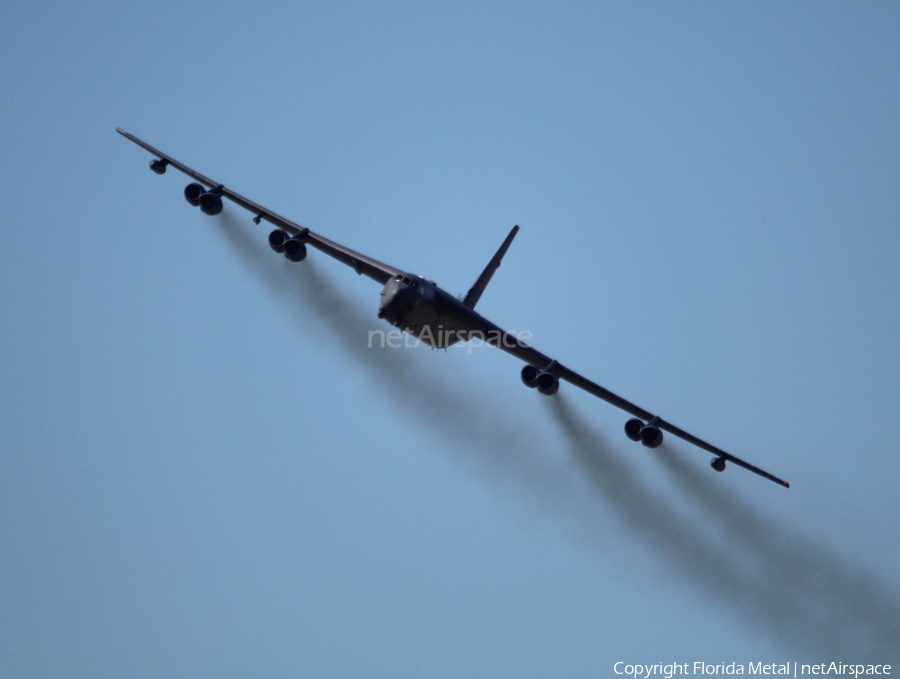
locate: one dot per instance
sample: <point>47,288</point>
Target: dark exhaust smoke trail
<point>648,514</point>
<point>491,439</point>
<point>844,606</point>
<point>806,598</point>
<point>787,597</point>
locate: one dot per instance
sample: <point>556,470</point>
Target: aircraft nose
<point>387,301</point>
<point>394,304</point>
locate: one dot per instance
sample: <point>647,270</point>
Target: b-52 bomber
<point>421,308</point>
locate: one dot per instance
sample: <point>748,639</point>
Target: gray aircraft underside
<point>420,307</point>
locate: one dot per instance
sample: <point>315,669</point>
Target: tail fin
<point>474,294</point>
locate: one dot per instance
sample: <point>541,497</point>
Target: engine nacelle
<point>159,165</point>
<point>633,429</point>
<point>294,250</point>
<point>192,193</point>
<point>530,376</point>
<point>718,463</point>
<point>277,239</point>
<point>547,383</point>
<point>210,203</point>
<point>651,436</point>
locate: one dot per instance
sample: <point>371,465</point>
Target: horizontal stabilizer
<point>472,297</point>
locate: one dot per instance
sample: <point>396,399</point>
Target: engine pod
<point>547,384</point>
<point>633,429</point>
<point>294,250</point>
<point>277,240</point>
<point>192,193</point>
<point>651,437</point>
<point>210,203</point>
<point>529,376</point>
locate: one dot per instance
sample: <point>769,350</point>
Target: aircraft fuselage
<point>419,307</point>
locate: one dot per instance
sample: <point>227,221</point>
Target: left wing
<point>360,263</point>
<point>493,334</point>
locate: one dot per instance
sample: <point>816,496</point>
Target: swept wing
<point>461,311</point>
<point>360,263</point>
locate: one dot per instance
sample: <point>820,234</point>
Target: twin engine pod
<point>159,165</point>
<point>210,202</point>
<point>648,434</point>
<point>292,247</point>
<point>547,383</point>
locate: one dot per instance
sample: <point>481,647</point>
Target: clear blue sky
<point>203,472</point>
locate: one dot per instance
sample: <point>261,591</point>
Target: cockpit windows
<point>406,280</point>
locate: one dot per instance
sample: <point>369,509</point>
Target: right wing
<point>360,263</point>
<point>498,337</point>
<point>592,388</point>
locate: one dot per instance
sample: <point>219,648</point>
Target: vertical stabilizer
<point>474,294</point>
